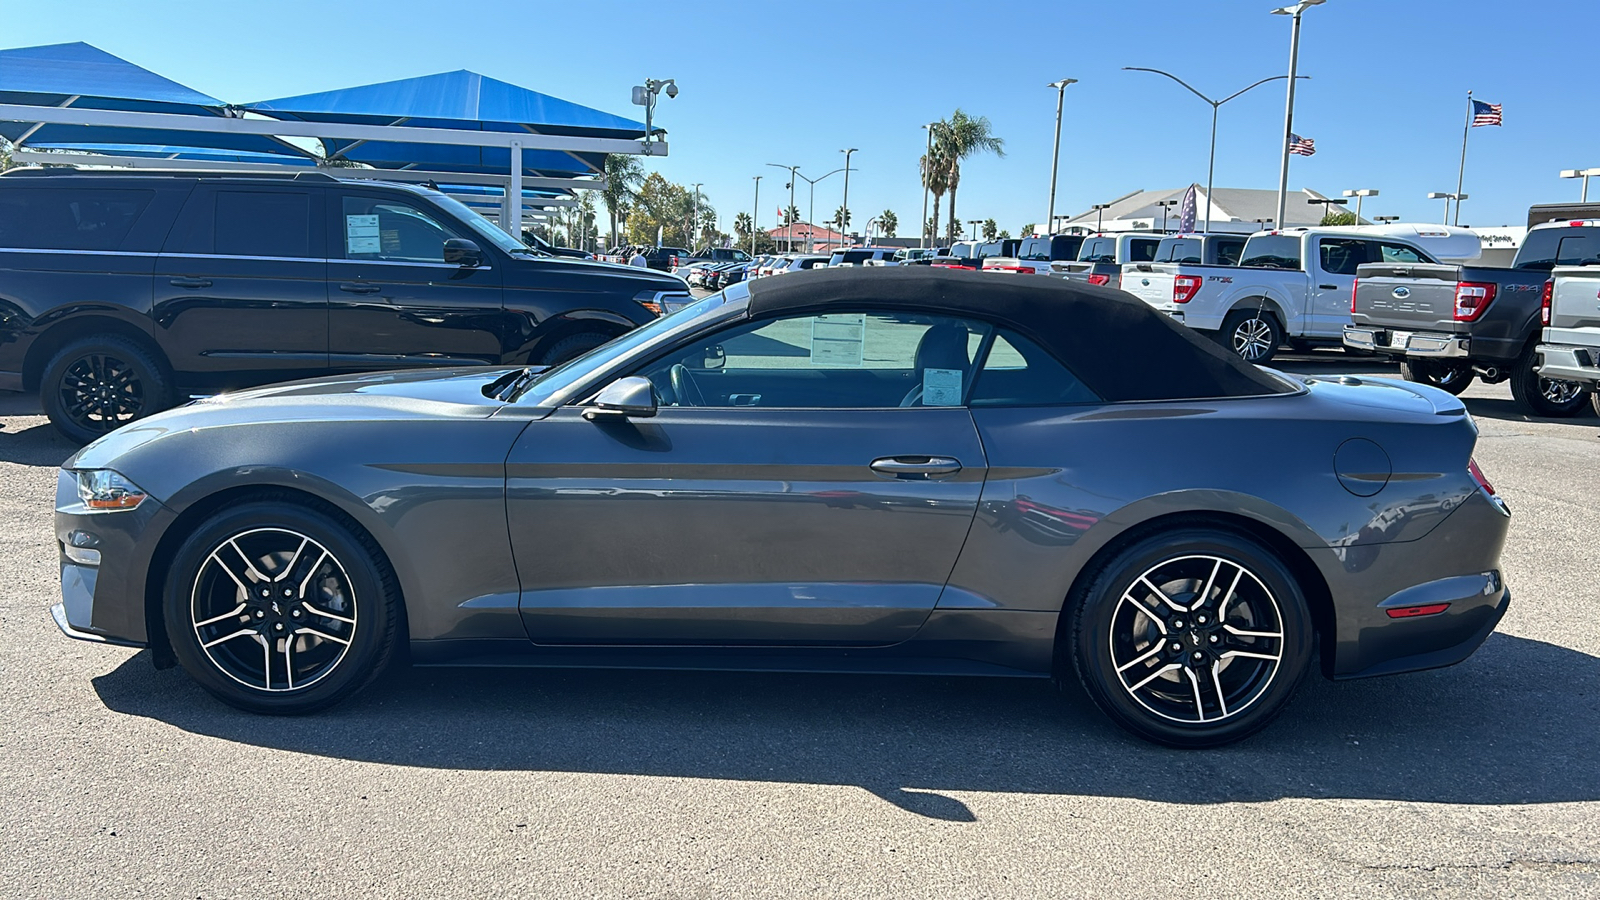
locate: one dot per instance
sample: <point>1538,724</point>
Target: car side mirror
<point>715,357</point>
<point>463,253</point>
<point>630,397</point>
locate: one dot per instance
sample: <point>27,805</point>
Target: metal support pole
<point>927,157</point>
<point>1211,167</point>
<point>1288,117</point>
<point>1461,173</point>
<point>844,209</point>
<point>1055,156</point>
<point>754,212</point>
<point>511,207</point>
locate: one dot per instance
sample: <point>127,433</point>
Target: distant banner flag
<point>1485,113</point>
<point>1188,209</point>
<point>1304,146</point>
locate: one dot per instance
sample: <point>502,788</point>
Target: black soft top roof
<point>1116,343</point>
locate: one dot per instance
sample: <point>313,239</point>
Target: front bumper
<point>1431,345</point>
<point>105,559</point>
<point>1565,362</point>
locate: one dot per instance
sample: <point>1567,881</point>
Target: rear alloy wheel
<point>1540,396</point>
<point>1254,334</point>
<point>96,385</point>
<point>1446,376</point>
<point>277,608</point>
<point>572,346</point>
<point>1193,639</point>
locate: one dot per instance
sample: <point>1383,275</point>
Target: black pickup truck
<point>1447,324</point>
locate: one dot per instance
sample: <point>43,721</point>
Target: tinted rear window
<point>1546,248</point>
<point>1273,251</point>
<point>69,219</point>
<point>1179,250</point>
<point>1098,249</point>
<point>1142,249</point>
<point>263,223</point>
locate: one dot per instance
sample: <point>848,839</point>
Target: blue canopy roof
<point>462,100</point>
<point>86,77</point>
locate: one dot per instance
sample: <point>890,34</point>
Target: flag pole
<point>1461,173</point>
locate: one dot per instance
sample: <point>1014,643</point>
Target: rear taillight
<point>1544,301</point>
<point>1184,287</point>
<point>1353,285</point>
<point>1472,298</point>
<point>674,260</point>
<point>1477,475</point>
<point>1099,279</point>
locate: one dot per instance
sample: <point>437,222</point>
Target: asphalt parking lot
<point>1479,780</point>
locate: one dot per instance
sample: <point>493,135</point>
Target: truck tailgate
<point>1413,297</point>
<point>1151,282</point>
<point>1575,299</point>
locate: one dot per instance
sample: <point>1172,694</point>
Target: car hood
<point>426,393</point>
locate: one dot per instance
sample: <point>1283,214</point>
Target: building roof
<point>805,231</point>
<point>1233,209</point>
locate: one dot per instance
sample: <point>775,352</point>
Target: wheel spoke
<point>245,632</point>
<point>231,614</point>
<point>249,567</point>
<point>1146,655</point>
<point>327,615</point>
<point>1216,682</point>
<point>1161,626</point>
<point>288,660</point>
<point>1159,593</point>
<point>1239,632</point>
<point>1229,654</point>
<point>1222,605</point>
<point>1154,675</point>
<point>289,566</point>
<point>306,629</point>
<point>1205,593</point>
<point>1199,705</point>
<point>304,582</point>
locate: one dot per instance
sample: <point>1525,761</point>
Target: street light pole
<point>755,211</point>
<point>1446,197</point>
<point>974,223</point>
<point>694,229</point>
<point>792,170</point>
<point>813,183</point>
<point>1361,194</point>
<point>1288,108</point>
<point>1099,214</point>
<point>928,157</point>
<point>1585,174</point>
<point>844,210</point>
<point>1055,155</point>
<point>1211,167</point>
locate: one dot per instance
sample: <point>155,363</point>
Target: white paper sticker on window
<point>941,387</point>
<point>837,340</point>
<point>361,235</point>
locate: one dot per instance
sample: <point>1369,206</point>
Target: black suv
<point>124,293</point>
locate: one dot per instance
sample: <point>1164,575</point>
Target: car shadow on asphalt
<point>37,445</point>
<point>1515,724</point>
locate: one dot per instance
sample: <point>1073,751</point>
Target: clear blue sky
<point>794,83</point>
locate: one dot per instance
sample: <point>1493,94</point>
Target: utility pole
<point>755,212</point>
<point>844,210</point>
<point>790,230</point>
<point>694,230</point>
<point>1055,155</point>
<point>927,157</point>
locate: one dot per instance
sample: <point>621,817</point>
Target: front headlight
<point>102,490</point>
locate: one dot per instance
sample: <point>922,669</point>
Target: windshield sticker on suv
<point>941,387</point>
<point>837,340</point>
<point>361,235</point>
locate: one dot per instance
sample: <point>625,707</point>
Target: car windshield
<point>1098,249</point>
<point>480,226</point>
<point>1272,251</point>
<point>563,377</point>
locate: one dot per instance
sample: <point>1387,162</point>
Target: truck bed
<point>1403,304</point>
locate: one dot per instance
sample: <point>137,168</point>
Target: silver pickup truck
<point>1570,349</point>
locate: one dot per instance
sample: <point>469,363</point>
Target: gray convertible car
<point>866,470</point>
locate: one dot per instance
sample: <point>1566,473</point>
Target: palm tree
<point>741,226</point>
<point>961,137</point>
<point>990,229</point>
<point>623,176</point>
<point>936,172</point>
<point>888,222</point>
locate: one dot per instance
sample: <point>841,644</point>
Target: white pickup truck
<point>1291,286</point>
<point>1570,349</point>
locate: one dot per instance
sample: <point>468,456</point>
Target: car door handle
<point>1329,287</point>
<point>190,282</point>
<point>916,466</point>
<point>350,288</point>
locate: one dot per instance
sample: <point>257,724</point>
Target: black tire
<point>1452,378</point>
<point>95,385</point>
<point>1254,334</point>
<point>339,612</point>
<point>1594,401</point>
<point>572,346</point>
<point>1149,696</point>
<point>1541,396</point>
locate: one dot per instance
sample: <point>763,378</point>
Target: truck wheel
<point>1449,377</point>
<point>1594,400</point>
<point>1543,396</point>
<point>95,385</point>
<point>1252,333</point>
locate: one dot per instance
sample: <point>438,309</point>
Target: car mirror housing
<point>630,397</point>
<point>463,253</point>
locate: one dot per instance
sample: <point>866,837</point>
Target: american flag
<point>1485,113</point>
<point>1302,145</point>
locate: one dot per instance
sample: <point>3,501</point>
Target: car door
<point>241,293</point>
<point>393,300</point>
<point>806,481</point>
<point>1331,281</point>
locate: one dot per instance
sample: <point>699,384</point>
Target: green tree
<point>930,230</point>
<point>1338,217</point>
<point>963,136</point>
<point>1027,230</point>
<point>840,220</point>
<point>741,227</point>
<point>623,175</point>
<point>791,215</point>
<point>889,222</point>
<point>989,229</point>
<point>935,175</point>
<point>1004,235</point>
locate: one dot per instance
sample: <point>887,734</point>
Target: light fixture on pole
<point>927,156</point>
<point>755,213</point>
<point>1211,167</point>
<point>1099,213</point>
<point>1263,224</point>
<point>1361,194</point>
<point>790,223</point>
<point>844,208</point>
<point>1288,108</point>
<point>1328,203</point>
<point>1585,174</point>
<point>645,95</point>
<point>1055,155</point>
<point>1166,205</point>
<point>1384,220</point>
<point>974,223</point>
<point>812,219</point>
<point>1446,197</point>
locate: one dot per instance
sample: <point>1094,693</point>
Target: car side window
<point>391,230</point>
<point>845,360</point>
<point>263,223</point>
<point>1399,253</point>
<point>1229,250</point>
<point>1341,256</point>
<point>69,219</point>
<point>1018,372</point>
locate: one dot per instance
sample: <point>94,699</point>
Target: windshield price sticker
<point>361,235</point>
<point>838,340</point>
<point>941,387</point>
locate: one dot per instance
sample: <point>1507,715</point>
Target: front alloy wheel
<point>1193,639</point>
